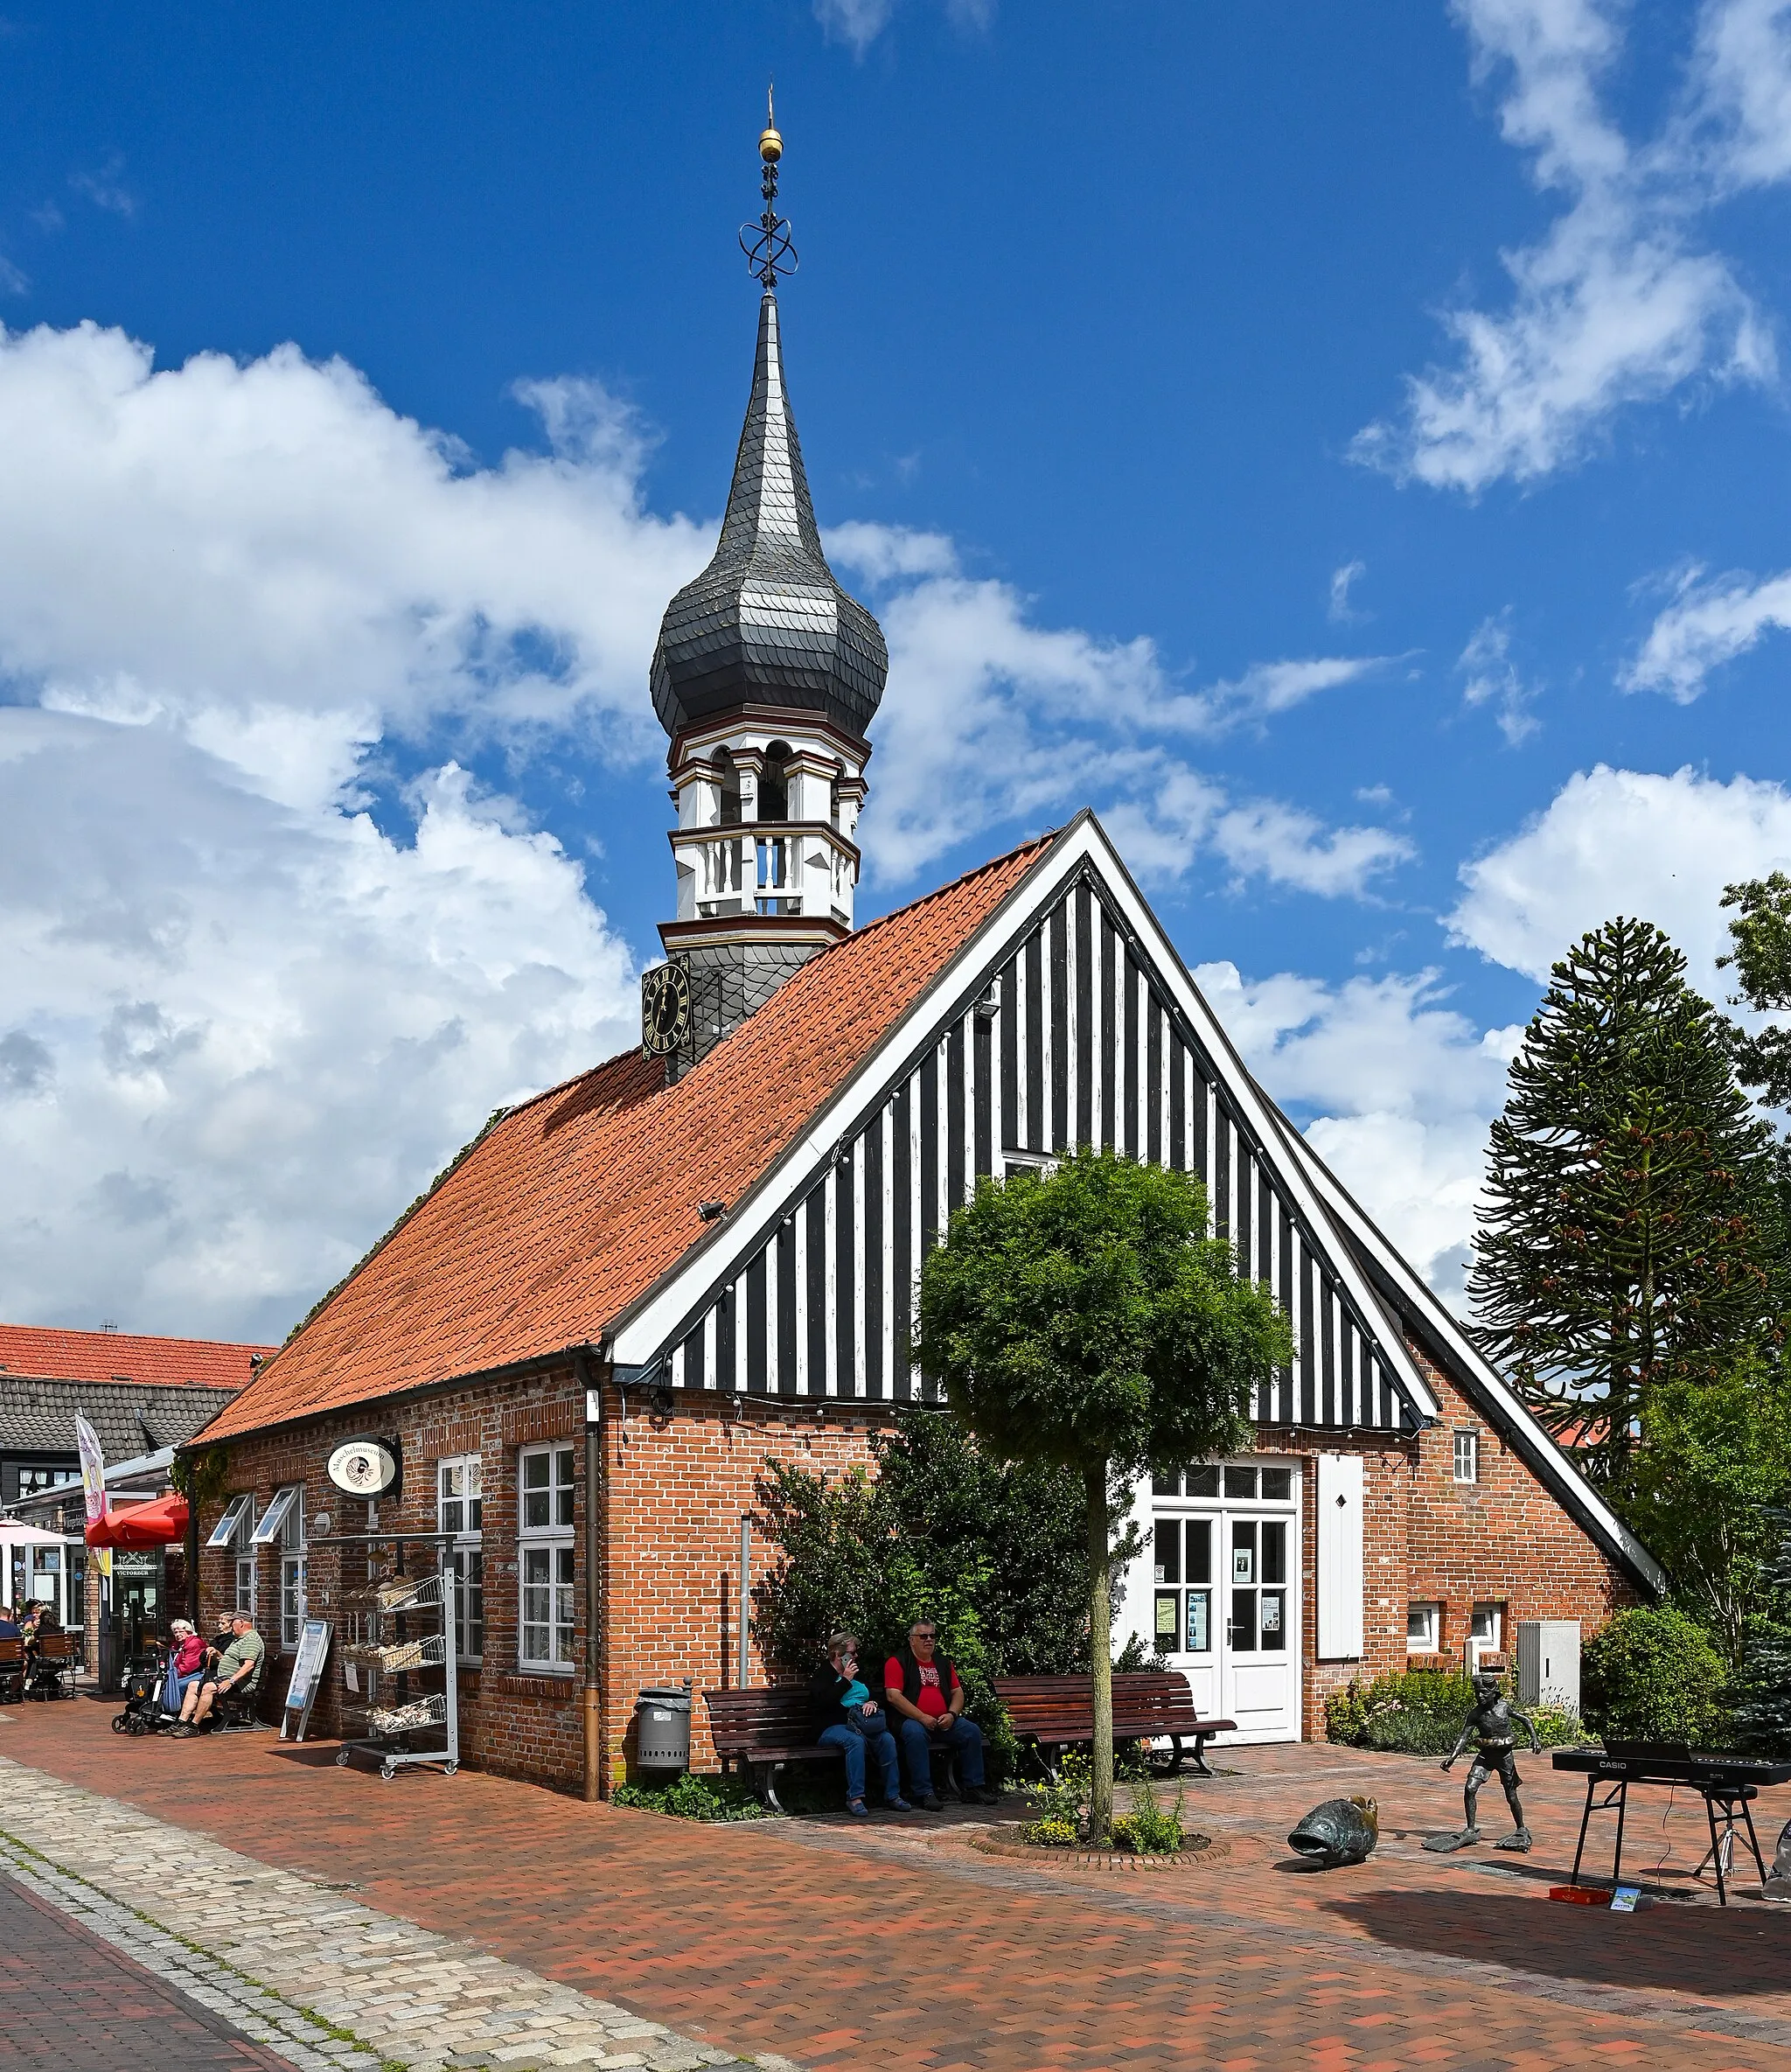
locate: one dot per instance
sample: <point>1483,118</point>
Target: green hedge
<point>1653,1675</point>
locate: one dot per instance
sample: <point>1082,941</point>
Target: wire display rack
<point>400,1640</point>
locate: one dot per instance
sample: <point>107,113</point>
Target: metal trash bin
<point>662,1728</point>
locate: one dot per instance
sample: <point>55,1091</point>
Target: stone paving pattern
<point>67,2001</point>
<point>836,1944</point>
<point>325,1981</point>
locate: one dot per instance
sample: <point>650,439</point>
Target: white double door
<point>1226,1596</point>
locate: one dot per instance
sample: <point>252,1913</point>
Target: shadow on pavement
<point>1715,1954</point>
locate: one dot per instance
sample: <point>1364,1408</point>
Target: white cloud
<point>241,1024</point>
<point>1492,678</point>
<point>267,557</point>
<point>1706,624</point>
<point>1343,580</point>
<point>1616,304</point>
<point>1397,1087</point>
<point>105,188</point>
<point>239,1036</point>
<point>1623,841</point>
<point>1742,75</point>
<point>861,22</point>
<point>990,718</point>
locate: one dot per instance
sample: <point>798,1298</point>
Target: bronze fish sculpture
<point>1340,1831</point>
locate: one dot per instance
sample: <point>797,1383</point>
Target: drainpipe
<point>593,1558</point>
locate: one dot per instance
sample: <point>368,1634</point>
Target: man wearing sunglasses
<point>926,1699</point>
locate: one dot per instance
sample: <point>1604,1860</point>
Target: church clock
<point>664,1010</point>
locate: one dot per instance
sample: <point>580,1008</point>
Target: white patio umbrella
<point>14,1532</point>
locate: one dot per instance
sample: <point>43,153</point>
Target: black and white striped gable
<point>1068,1021</point>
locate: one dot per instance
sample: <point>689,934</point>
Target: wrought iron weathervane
<point>766,243</point>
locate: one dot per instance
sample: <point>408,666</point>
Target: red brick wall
<point>1502,1540</point>
<point>674,1488</point>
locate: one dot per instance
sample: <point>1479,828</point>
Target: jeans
<point>965,1740</point>
<point>852,1745</point>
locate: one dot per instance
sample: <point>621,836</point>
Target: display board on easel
<point>307,1678</point>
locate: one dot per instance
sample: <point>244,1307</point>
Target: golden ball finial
<point>770,147</point>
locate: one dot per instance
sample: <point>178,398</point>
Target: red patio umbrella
<point>160,1524</point>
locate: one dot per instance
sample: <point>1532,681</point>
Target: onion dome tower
<point>766,677</point>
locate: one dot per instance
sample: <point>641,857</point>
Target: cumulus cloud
<point>990,718</point>
<point>242,1024</point>
<point>1491,678</point>
<point>1396,1090</point>
<point>1619,302</point>
<point>1706,624</point>
<point>246,1032</point>
<point>1623,841</point>
<point>268,558</point>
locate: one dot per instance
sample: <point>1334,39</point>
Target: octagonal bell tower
<point>765,677</point>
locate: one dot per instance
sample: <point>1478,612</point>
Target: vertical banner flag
<point>92,1470</point>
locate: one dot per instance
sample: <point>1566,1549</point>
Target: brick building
<point>710,1245</point>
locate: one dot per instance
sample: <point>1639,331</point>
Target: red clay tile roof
<point>48,1355</point>
<point>575,1203</point>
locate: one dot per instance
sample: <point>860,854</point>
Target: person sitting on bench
<point>924,1693</point>
<point>237,1669</point>
<point>847,1717</point>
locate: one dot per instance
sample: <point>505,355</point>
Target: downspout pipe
<point>592,1705</point>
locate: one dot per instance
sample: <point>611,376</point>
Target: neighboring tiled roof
<point>574,1205</point>
<point>38,1416</point>
<point>122,1357</point>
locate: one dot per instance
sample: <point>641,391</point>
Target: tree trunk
<point>1100,1609</point>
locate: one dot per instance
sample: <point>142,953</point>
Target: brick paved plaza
<point>833,1945</point>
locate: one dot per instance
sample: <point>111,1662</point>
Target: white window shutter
<point>1340,1557</point>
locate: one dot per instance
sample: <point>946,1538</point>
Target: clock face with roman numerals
<point>665,1010</point>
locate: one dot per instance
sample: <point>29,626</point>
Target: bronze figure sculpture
<point>1490,1727</point>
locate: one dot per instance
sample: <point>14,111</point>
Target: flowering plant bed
<point>1010,1839</point>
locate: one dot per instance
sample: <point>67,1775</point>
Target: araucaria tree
<point>1086,1317</point>
<point>1627,1235</point>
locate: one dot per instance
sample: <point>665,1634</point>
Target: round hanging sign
<point>363,1467</point>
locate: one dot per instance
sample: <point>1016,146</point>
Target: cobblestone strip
<point>312,1975</point>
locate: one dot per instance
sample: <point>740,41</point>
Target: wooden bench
<point>766,1727</point>
<point>51,1668</point>
<point>1148,1706</point>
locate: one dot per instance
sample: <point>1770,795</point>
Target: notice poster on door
<point>1272,1612</point>
<point>1244,1565</point>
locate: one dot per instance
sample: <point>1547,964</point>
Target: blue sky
<point>1345,447</point>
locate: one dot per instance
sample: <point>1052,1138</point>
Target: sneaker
<point>933,1804</point>
<point>858,1809</point>
<point>896,1805</point>
<point>986,1795</point>
<point>180,1730</point>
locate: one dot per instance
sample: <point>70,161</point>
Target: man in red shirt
<point>927,1699</point>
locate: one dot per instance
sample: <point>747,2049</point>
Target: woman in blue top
<point>847,1717</point>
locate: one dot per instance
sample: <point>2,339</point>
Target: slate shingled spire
<point>765,623</point>
<point>766,677</point>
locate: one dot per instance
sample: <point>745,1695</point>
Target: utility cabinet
<point>1548,1663</point>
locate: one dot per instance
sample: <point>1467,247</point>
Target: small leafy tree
<point>1714,1461</point>
<point>1630,1231</point>
<point>1086,1319</point>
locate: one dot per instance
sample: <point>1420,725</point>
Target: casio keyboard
<point>1726,1783</point>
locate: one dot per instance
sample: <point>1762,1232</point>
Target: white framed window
<point>235,1530</point>
<point>544,1558</point>
<point>1485,1627</point>
<point>460,1509</point>
<point>1468,1456</point>
<point>1424,1628</point>
<point>284,1519</point>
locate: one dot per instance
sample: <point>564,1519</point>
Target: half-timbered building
<point>708,1247</point>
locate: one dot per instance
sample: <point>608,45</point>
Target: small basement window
<point>1424,1628</point>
